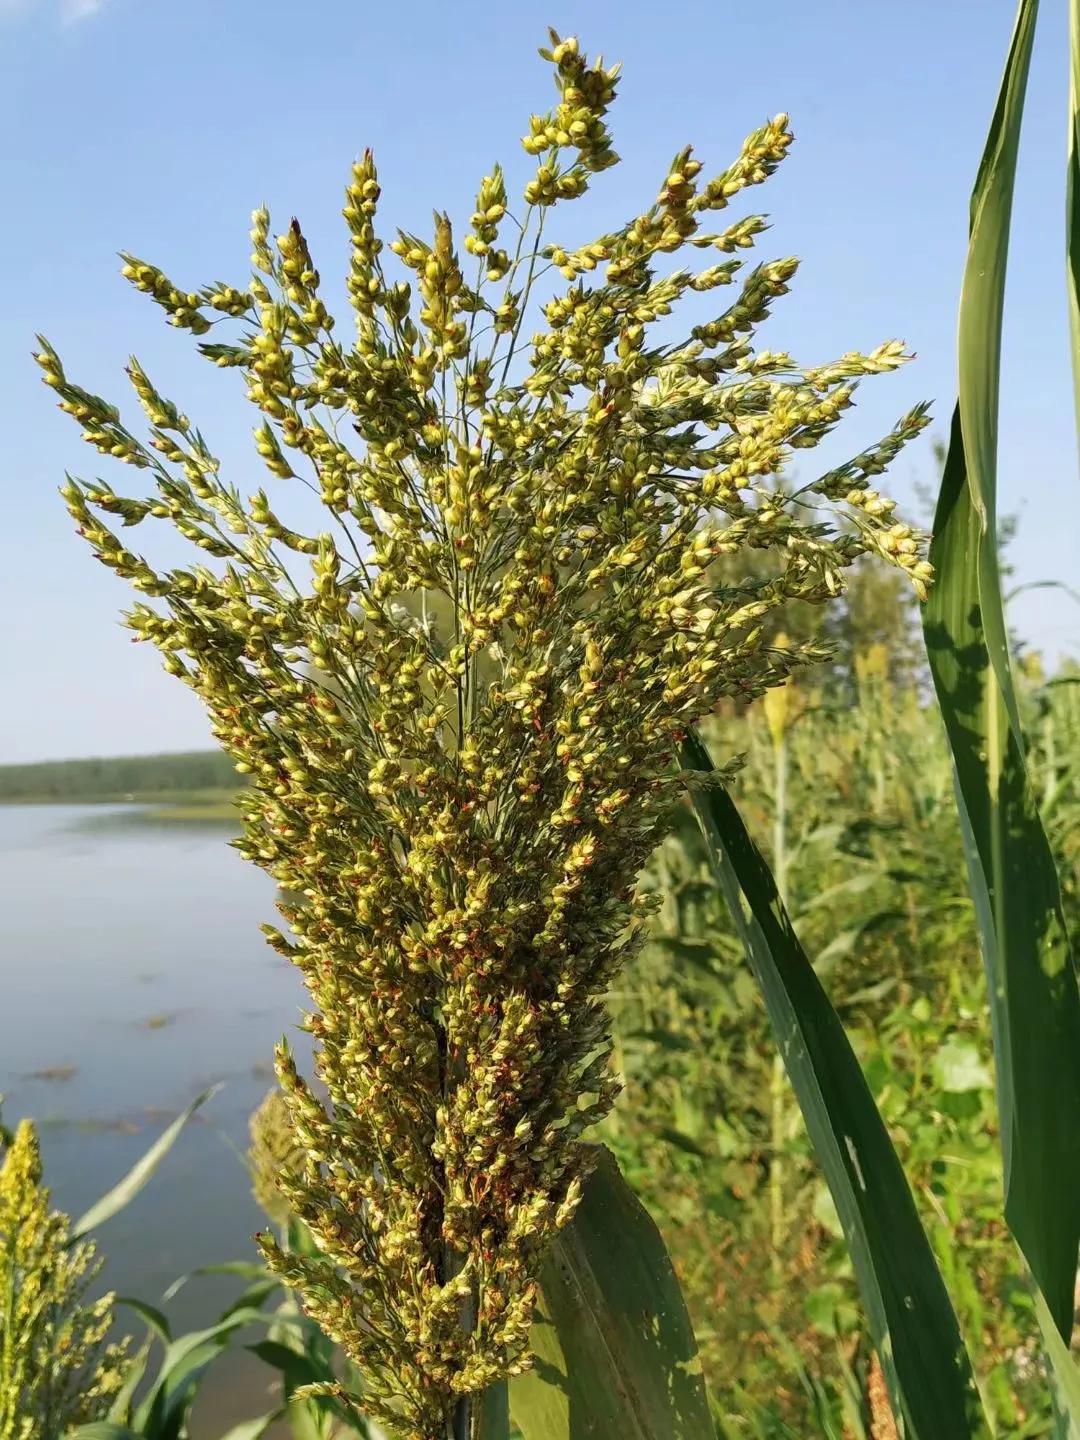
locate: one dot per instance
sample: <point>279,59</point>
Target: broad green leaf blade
<point>493,1414</point>
<point>616,1357</point>
<point>312,1418</point>
<point>1014,884</point>
<point>908,1309</point>
<point>123,1193</point>
<point>306,1423</point>
<point>253,1296</point>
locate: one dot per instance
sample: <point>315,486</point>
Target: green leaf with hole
<point>911,1318</point>
<point>615,1354</point>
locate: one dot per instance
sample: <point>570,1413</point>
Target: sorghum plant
<point>459,704</point>
<point>56,1369</point>
<point>272,1152</point>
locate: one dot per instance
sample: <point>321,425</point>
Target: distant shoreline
<point>186,798</point>
<point>177,809</point>
<point>200,781</point>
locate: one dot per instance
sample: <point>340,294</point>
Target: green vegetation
<point>557,579</point>
<point>856,803</point>
<point>1012,872</point>
<point>55,1366</point>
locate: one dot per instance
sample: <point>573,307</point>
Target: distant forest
<point>123,777</point>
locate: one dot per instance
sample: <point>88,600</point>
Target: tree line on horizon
<point>118,777</point>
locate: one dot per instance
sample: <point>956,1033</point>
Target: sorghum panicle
<point>273,1150</point>
<point>56,1369</point>
<point>459,705</point>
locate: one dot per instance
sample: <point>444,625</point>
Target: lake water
<point>132,968</point>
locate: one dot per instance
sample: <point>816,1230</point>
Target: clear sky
<point>153,127</point>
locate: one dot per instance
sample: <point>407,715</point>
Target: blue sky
<point>156,128</point>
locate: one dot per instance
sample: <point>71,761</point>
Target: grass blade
<point>252,1429</point>
<point>164,1408</point>
<point>908,1309</point>
<point>103,1430</point>
<point>155,1319</point>
<point>123,1193</point>
<point>1014,883</point>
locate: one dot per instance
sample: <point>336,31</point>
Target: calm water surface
<point>133,966</point>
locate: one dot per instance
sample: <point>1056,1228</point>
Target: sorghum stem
<point>461,1425</point>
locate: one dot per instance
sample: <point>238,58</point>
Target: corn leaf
<point>1032,984</point>
<point>311,1416</point>
<point>907,1307</point>
<point>615,1355</point>
<point>295,1367</point>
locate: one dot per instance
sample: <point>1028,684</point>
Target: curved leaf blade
<point>163,1409</point>
<point>252,1429</point>
<point>910,1316</point>
<point>1035,1006</point>
<point>123,1193</point>
<point>615,1352</point>
<point>102,1430</point>
<point>249,1269</point>
<point>1062,1373</point>
<point>155,1318</point>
